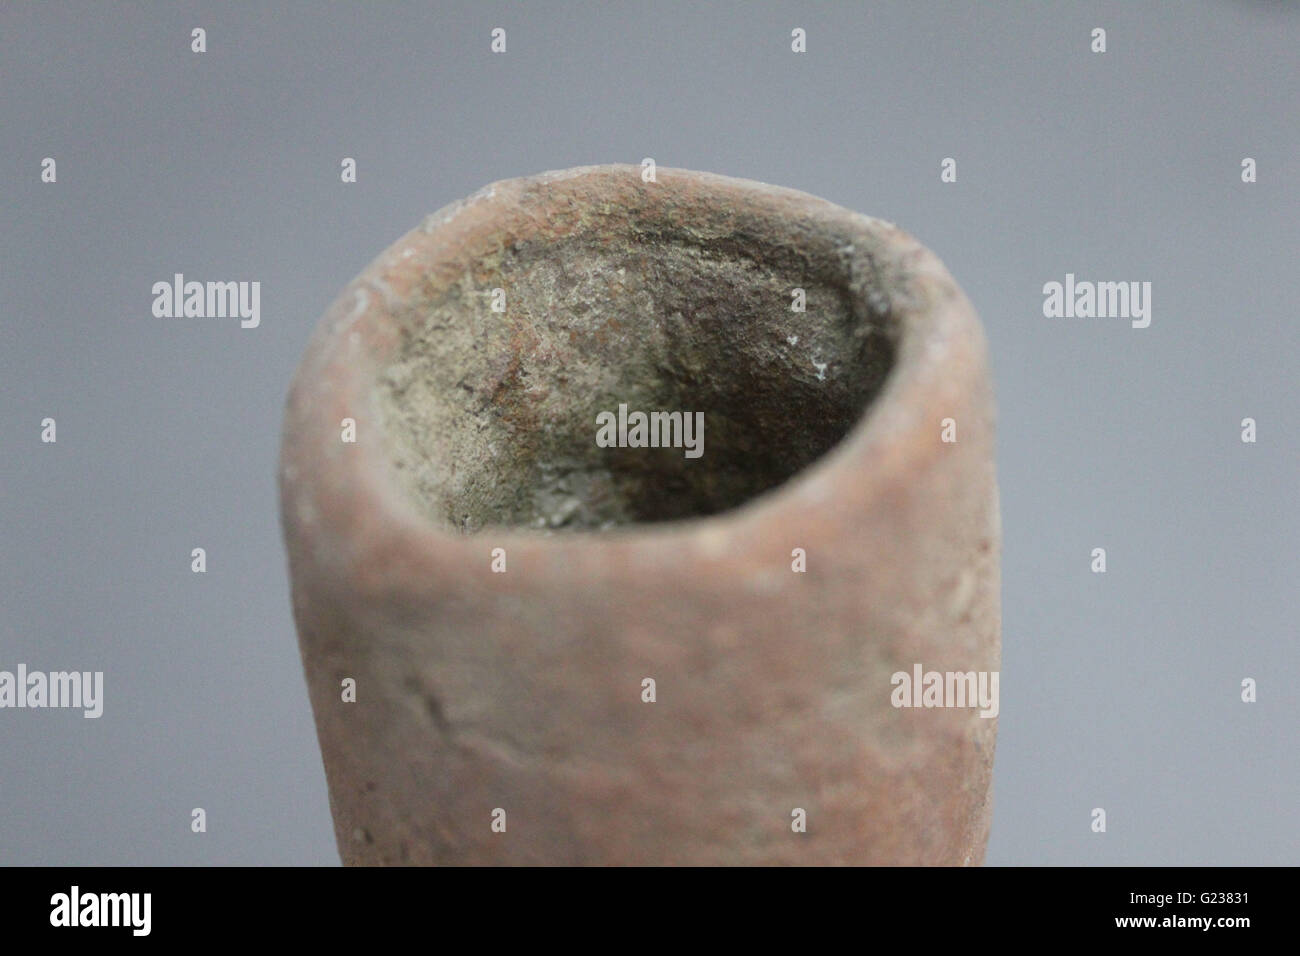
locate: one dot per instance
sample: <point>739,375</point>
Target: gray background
<point>1118,690</point>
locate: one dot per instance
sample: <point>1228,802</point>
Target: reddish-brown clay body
<point>478,691</point>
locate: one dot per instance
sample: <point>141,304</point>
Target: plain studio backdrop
<point>1119,690</point>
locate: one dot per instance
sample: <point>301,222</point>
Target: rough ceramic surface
<point>522,690</point>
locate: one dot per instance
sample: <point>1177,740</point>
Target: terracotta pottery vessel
<point>525,647</point>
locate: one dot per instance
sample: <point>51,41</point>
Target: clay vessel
<point>505,716</point>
